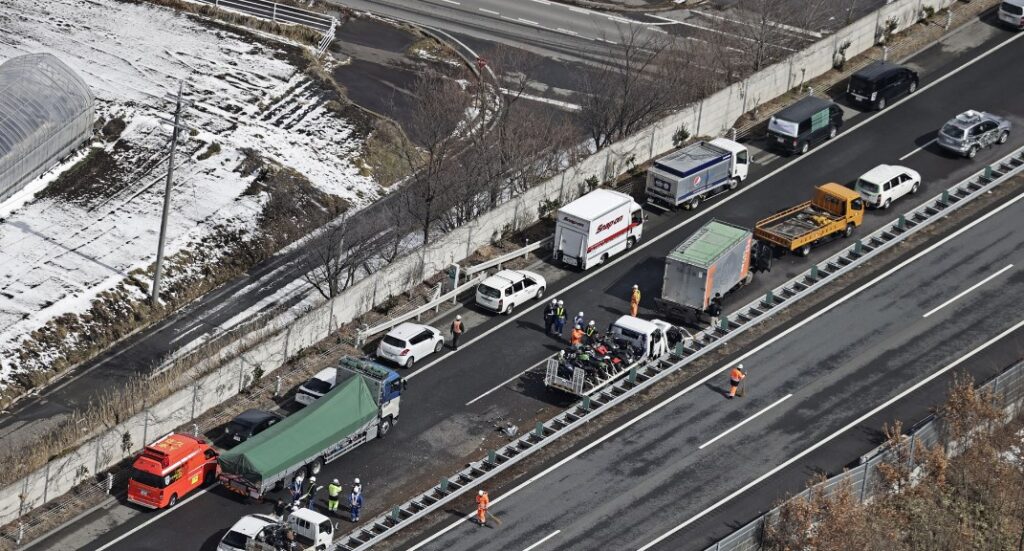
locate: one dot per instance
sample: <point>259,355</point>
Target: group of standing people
<point>554,324</point>
<point>306,496</point>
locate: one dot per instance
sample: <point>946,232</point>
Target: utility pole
<point>155,293</point>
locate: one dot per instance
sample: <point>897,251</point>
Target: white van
<point>504,290</point>
<point>596,226</point>
<point>240,534</point>
<point>884,184</point>
<point>648,335</point>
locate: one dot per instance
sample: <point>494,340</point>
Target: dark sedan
<point>247,424</point>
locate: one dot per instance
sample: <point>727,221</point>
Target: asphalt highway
<point>646,486</point>
<point>448,408</point>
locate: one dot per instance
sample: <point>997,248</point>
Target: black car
<point>804,124</point>
<point>878,84</point>
<point>247,424</point>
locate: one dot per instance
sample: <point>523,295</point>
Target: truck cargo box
<point>713,260</point>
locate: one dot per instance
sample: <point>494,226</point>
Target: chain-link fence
<point>865,482</point>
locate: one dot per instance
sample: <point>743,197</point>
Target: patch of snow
<point>57,255</point>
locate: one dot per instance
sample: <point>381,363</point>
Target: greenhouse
<point>46,110</point>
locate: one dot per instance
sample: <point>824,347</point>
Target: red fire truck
<point>169,468</point>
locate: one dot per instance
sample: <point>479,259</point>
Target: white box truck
<point>596,226</point>
<point>688,176</point>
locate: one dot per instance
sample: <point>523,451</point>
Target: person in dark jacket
<point>715,309</point>
<point>549,316</point>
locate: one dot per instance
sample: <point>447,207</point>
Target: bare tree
<point>645,77</point>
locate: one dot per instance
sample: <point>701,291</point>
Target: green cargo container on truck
<point>363,405</point>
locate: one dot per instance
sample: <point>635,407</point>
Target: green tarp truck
<point>363,405</point>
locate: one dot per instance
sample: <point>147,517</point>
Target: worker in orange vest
<point>482,502</point>
<point>735,377</point>
<point>634,301</point>
<point>457,330</point>
<point>577,336</point>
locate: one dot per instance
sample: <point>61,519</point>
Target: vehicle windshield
<point>318,386</point>
<point>1012,9</point>
<point>953,131</point>
<point>867,187</point>
<point>786,128</point>
<point>489,292</point>
<point>149,479</point>
<point>239,427</point>
<point>394,341</point>
<point>235,540</point>
<point>860,85</point>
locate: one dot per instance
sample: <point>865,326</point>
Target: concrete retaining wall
<point>712,116</point>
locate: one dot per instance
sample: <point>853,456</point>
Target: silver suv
<point>972,130</point>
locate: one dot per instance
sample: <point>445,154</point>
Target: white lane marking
<point>558,103</point>
<point>153,519</point>
<point>967,290</point>
<point>744,422</point>
<point>453,2</point>
<point>546,538</point>
<point>566,31</point>
<point>485,10</point>
<point>732,195</point>
<point>835,434</point>
<point>509,380</point>
<point>930,142</point>
<point>715,31</point>
<point>580,10</point>
<point>726,367</point>
<point>545,2</point>
<point>527,21</point>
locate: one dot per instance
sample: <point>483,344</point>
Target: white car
<point>503,291</point>
<point>884,184</point>
<point>320,384</point>
<point>409,342</point>
<point>243,531</point>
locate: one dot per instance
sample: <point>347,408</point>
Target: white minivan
<point>884,184</point>
<point>409,342</point>
<point>504,290</point>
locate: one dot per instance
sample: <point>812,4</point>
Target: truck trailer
<point>834,210</point>
<point>716,259</point>
<point>629,342</point>
<point>688,176</point>
<point>363,405</point>
<point>596,226</point>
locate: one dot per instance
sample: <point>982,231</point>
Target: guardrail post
<point>864,483</point>
<point>195,430</point>
<point>901,222</point>
<point>110,482</point>
<point>814,272</point>
<point>492,457</point>
<point>632,375</point>
<point>273,15</point>
<point>988,172</point>
<point>526,253</point>
<point>769,298</point>
<point>949,18</point>
<point>945,197</point>
<point>732,133</point>
<point>723,324</point>
<point>396,514</point>
<point>443,486</point>
<point>21,532</point>
<point>277,386</point>
<point>858,248</point>
<point>585,404</point>
<point>885,53</point>
<point>539,430</point>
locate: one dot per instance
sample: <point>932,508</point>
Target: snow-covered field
<point>58,252</point>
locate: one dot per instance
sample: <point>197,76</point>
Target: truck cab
<point>169,468</point>
<point>309,530</point>
<point>646,335</point>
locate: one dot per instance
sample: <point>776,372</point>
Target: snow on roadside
<point>57,253</point>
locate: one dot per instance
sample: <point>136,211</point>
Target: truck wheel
<point>173,501</point>
<point>385,426</point>
<point>804,147</point>
<point>540,293</point>
<point>734,183</point>
<point>210,477</point>
<point>315,467</point>
<point>805,250</point>
<point>693,204</point>
<point>832,131</point>
<point>630,243</point>
<point>748,278</point>
<point>972,152</point>
<point>880,105</point>
<point>849,229</point>
<point>1003,137</point>
<point>604,259</point>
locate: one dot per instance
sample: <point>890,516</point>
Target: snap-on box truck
<point>716,259</point>
<point>688,176</point>
<point>596,226</point>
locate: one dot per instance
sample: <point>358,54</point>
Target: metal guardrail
<point>278,13</point>
<point>435,305</point>
<point>523,252</point>
<point>864,480</point>
<point>691,349</point>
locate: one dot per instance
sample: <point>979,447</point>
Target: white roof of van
<point>636,324</point>
<point>597,201</point>
<point>882,173</point>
